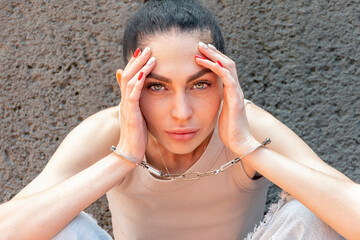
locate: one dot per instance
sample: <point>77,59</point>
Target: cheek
<point>208,104</point>
<point>145,107</point>
<point>214,101</point>
<point>216,94</point>
<point>151,109</point>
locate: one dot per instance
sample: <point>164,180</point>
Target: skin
<point>62,189</point>
<point>290,164</point>
<point>179,103</point>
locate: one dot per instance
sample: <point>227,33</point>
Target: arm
<point>293,166</point>
<point>285,141</point>
<point>71,181</point>
<point>59,204</point>
<point>76,152</point>
<point>82,170</point>
<point>334,200</point>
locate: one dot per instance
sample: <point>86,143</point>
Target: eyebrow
<point>189,79</point>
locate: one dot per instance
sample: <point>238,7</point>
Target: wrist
<point>135,162</point>
<point>250,146</point>
<point>123,155</point>
<point>135,152</point>
<point>246,146</point>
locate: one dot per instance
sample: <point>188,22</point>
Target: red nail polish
<point>199,56</point>
<point>140,75</point>
<point>218,62</point>
<point>137,52</point>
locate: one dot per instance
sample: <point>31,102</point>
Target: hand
<point>133,130</point>
<point>233,125</point>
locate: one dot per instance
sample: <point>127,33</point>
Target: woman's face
<point>180,99</point>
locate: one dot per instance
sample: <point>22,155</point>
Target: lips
<point>182,134</point>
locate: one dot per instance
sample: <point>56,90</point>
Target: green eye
<point>200,85</point>
<point>157,87</point>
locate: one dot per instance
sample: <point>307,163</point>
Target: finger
<point>120,72</point>
<point>140,59</point>
<point>231,85</point>
<point>134,56</point>
<point>140,79</point>
<point>218,68</point>
<point>217,51</point>
<point>215,55</point>
<point>135,66</point>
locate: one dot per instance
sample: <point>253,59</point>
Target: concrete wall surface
<point>297,59</point>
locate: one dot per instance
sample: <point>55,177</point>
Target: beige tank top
<point>225,206</point>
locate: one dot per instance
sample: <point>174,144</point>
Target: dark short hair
<point>160,16</point>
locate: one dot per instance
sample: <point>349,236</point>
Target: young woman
<point>182,116</point>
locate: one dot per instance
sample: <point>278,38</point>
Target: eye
<point>201,85</point>
<point>156,87</point>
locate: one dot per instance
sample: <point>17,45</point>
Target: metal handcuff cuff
<point>189,175</point>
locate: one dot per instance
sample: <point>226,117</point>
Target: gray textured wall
<point>297,59</point>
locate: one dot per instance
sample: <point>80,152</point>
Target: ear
<point>119,73</point>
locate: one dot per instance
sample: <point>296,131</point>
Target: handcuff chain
<point>197,175</point>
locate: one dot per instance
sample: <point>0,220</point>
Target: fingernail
<point>146,50</point>
<point>140,75</point>
<point>151,60</point>
<point>137,52</point>
<point>212,46</point>
<point>203,45</point>
<point>218,62</point>
<point>199,56</point>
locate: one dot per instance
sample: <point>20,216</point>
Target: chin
<point>181,150</point>
<point>183,147</point>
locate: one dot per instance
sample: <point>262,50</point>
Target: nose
<point>181,109</point>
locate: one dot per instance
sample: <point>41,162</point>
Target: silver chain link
<point>197,175</point>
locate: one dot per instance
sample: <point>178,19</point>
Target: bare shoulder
<point>87,143</point>
<point>102,126</point>
<point>284,141</point>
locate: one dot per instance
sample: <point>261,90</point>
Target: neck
<point>175,163</point>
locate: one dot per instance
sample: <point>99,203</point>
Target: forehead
<point>175,53</point>
<point>175,38</point>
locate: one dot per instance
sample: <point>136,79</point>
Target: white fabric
<point>289,219</point>
<point>83,227</point>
